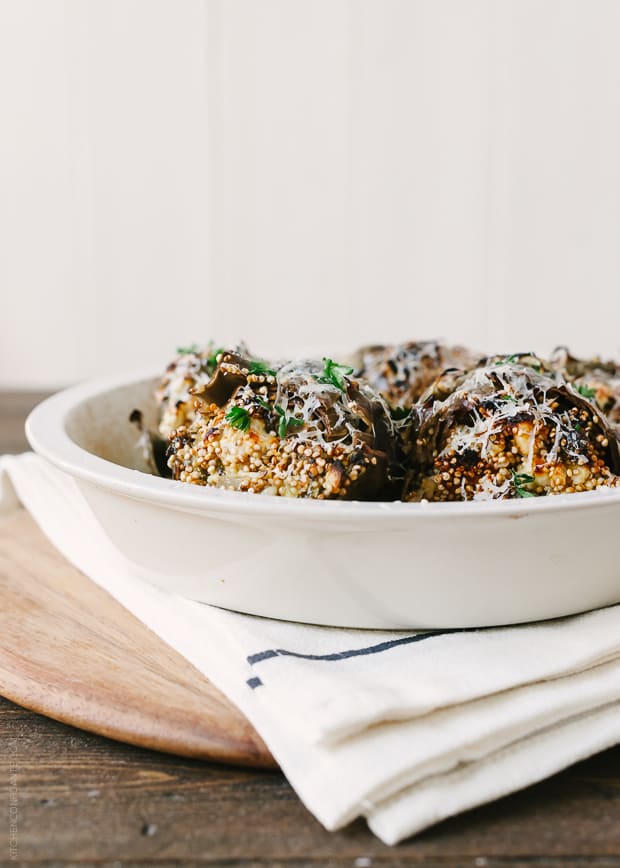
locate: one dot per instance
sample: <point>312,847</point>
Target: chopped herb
<point>506,360</point>
<point>586,391</point>
<point>508,397</point>
<point>516,359</point>
<point>577,426</point>
<point>258,367</point>
<point>334,374</point>
<point>212,358</point>
<point>187,351</point>
<point>238,418</point>
<point>286,421</point>
<point>521,479</point>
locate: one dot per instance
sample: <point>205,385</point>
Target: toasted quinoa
<point>508,430</point>
<point>401,372</point>
<point>594,378</point>
<point>303,429</point>
<point>192,368</point>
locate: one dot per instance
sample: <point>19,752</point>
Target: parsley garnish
<point>238,418</point>
<point>508,397</point>
<point>516,359</point>
<point>187,351</point>
<point>519,480</point>
<point>212,358</point>
<point>286,421</point>
<point>506,360</point>
<point>258,367</point>
<point>586,391</point>
<point>334,374</point>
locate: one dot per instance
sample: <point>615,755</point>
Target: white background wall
<point>304,173</point>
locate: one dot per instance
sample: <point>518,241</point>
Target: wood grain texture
<point>82,797</point>
<point>70,651</point>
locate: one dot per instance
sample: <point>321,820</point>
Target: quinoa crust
<point>418,421</point>
<point>282,431</point>
<point>507,430</point>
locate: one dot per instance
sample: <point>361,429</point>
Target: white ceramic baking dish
<point>379,565</point>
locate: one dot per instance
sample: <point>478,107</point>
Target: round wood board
<point>69,651</point>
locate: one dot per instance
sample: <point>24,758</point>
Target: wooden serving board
<point>68,650</point>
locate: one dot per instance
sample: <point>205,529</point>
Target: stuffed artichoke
<point>302,429</point>
<point>509,430</point>
<point>402,372</point>
<point>193,367</point>
<point>593,378</point>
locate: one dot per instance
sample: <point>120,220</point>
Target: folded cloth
<point>404,728</point>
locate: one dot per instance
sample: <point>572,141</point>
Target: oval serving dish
<point>370,565</point>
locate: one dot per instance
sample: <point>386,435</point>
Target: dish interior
<point>100,424</point>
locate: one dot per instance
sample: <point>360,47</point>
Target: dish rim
<point>47,435</point>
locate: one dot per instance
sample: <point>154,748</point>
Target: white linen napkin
<point>403,728</point>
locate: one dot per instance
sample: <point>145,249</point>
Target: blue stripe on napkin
<point>253,659</point>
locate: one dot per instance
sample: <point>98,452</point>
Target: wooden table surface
<point>69,797</point>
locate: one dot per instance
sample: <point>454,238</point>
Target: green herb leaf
<point>186,351</point>
<point>517,359</point>
<point>521,479</point>
<point>263,404</point>
<point>506,360</point>
<point>238,418</point>
<point>334,374</point>
<point>258,367</point>
<point>286,421</point>
<point>508,397</point>
<point>212,358</point>
<point>586,391</point>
